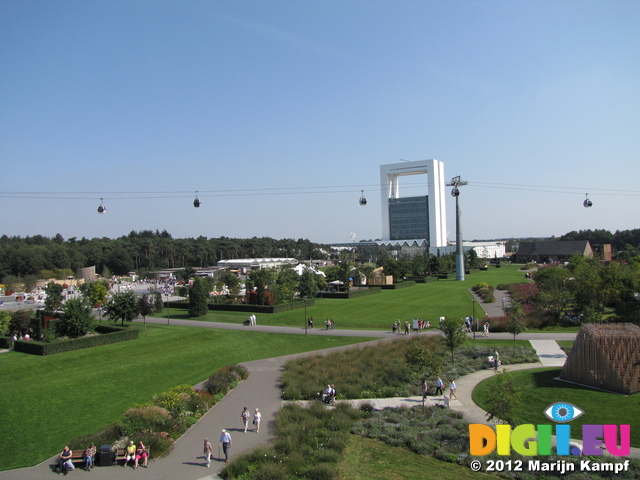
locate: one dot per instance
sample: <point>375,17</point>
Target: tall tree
<point>454,334</point>
<point>54,299</point>
<point>506,402</point>
<point>146,307</point>
<point>122,307</point>
<point>76,319</point>
<point>261,279</point>
<point>198,298</point>
<point>308,286</point>
<point>515,321</point>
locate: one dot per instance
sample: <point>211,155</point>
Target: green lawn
<point>369,459</point>
<point>540,389</point>
<point>427,301</point>
<point>47,401</point>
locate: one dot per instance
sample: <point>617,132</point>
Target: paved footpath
<point>261,390</point>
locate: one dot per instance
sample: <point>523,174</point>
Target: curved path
<point>261,390</point>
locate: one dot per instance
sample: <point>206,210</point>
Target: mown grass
<point>540,389</point>
<point>427,301</point>
<point>47,401</point>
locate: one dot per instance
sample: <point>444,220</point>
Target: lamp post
<point>167,307</point>
<point>473,315</point>
<point>306,323</point>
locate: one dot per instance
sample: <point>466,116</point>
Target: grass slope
<point>426,301</point>
<point>47,401</point>
<point>540,389</point>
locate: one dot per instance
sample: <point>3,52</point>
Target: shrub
<point>171,401</point>
<point>219,382</point>
<point>150,418</point>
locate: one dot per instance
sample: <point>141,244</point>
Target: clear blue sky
<point>280,112</point>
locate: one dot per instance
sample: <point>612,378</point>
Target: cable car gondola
<point>363,199</point>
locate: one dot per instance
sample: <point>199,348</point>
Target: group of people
<point>440,388</point>
<point>132,453</point>
<point>328,324</point>
<point>485,329</point>
<point>225,437</point>
<point>136,453</point>
<point>407,326</point>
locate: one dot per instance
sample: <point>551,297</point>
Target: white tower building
<point>414,217</point>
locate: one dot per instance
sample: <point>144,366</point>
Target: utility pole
<point>455,192</point>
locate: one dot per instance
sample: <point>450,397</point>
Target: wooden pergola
<point>606,356</point>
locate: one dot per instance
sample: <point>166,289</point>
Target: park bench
<point>121,454</point>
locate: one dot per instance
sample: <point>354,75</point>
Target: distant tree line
<point>139,251</point>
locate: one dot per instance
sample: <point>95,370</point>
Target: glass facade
<point>409,218</point>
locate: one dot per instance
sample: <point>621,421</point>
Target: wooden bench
<point>77,455</point>
<point>121,454</point>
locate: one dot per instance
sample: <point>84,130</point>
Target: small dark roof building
<point>553,251</point>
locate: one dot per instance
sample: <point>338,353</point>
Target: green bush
<point>42,348</point>
<point>219,382</point>
<point>150,418</point>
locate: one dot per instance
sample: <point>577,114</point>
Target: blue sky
<point>279,113</point>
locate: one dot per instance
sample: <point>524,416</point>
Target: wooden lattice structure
<point>607,357</point>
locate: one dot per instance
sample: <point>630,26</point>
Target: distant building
<point>487,249</point>
<point>245,264</point>
<point>553,251</point>
<point>414,218</point>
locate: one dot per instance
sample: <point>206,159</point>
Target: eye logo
<point>562,412</point>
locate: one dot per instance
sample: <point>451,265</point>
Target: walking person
<point>424,389</point>
<point>225,441</point>
<point>496,359</point>
<point>245,418</point>
<point>208,451</point>
<point>439,386</point>
<point>452,390</point>
<point>257,418</point>
<point>406,328</point>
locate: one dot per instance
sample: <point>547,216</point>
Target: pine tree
<point>198,298</point>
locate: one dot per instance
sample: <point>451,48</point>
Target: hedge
<point>396,286</point>
<point>353,294</point>
<point>6,342</point>
<point>422,278</point>
<point>284,307</point>
<point>111,335</point>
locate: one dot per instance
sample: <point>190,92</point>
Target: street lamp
<point>167,307</point>
<point>473,316</point>
<point>306,323</point>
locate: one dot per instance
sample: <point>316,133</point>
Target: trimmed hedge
<point>353,294</point>
<point>395,286</point>
<point>284,307</point>
<point>114,335</point>
<point>6,342</point>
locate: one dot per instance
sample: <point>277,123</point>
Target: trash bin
<point>105,455</point>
